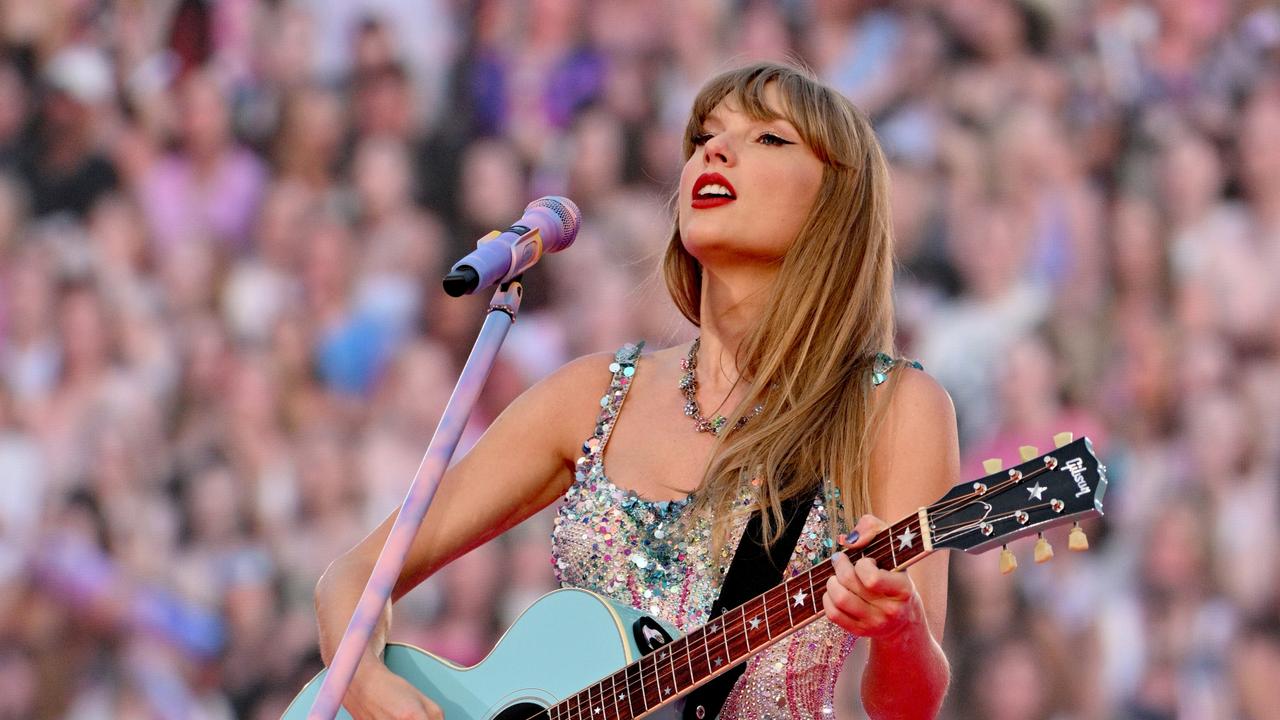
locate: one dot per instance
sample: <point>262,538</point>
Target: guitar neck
<point>738,633</point>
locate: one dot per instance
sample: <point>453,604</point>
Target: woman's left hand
<point>866,600</point>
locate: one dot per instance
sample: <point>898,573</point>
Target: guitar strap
<point>753,571</point>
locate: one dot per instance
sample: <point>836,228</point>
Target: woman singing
<point>782,256</point>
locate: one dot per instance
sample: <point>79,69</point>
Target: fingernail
<point>851,538</point>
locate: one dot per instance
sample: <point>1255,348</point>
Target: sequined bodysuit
<point>613,542</point>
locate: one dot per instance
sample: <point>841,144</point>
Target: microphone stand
<point>498,320</point>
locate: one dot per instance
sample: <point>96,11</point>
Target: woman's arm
<point>523,463</point>
<point>915,461</point>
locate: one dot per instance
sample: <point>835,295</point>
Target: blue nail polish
<point>851,538</point>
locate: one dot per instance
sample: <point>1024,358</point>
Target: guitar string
<point>817,579</point>
<point>651,680</point>
<point>946,507</point>
<point>874,550</point>
<point>684,651</point>
<point>960,528</point>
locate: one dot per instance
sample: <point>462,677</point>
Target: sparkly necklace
<point>689,387</point>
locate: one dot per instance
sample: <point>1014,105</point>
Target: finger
<point>849,577</point>
<point>846,572</point>
<point>850,611</point>
<point>863,531</point>
<point>879,583</point>
<point>848,600</point>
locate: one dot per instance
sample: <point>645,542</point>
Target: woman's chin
<point>726,250</point>
<point>703,244</point>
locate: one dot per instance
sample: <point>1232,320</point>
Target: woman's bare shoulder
<point>916,455</point>
<point>578,380</point>
<point>918,399</point>
<point>581,382</point>
<point>577,386</point>
<point>596,366</point>
<point>584,367</point>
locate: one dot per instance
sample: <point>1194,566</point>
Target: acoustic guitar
<point>576,655</point>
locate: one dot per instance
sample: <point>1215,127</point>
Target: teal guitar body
<point>564,642</point>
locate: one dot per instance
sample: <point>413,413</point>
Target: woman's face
<point>748,187</point>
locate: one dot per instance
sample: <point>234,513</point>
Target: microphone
<point>549,224</point>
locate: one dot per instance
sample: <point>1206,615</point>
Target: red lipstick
<point>710,201</point>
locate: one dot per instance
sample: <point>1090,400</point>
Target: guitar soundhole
<point>523,711</point>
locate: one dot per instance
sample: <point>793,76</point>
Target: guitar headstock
<point>1064,485</point>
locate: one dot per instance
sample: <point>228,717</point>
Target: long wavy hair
<point>829,312</point>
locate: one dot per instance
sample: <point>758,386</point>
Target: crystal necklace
<point>689,387</point>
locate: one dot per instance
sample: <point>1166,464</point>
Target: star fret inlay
<point>799,597</point>
<point>906,538</point>
<point>755,622</point>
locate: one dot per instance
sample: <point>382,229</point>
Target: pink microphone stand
<point>498,320</point>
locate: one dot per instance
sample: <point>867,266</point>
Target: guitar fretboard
<point>724,641</point>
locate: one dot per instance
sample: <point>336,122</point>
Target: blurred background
<point>223,346</point>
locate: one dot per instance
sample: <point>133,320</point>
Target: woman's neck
<point>732,301</point>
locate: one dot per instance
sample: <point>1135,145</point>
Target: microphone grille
<point>565,209</point>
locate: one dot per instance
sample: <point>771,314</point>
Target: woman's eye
<point>766,138</point>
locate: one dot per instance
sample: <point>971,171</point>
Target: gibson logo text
<point>1076,467</point>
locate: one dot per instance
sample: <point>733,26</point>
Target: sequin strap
<point>884,364</point>
<point>623,368</point>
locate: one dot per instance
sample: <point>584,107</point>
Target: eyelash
<point>702,138</point>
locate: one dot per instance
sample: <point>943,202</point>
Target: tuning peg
<point>1077,540</point>
<point>1008,563</point>
<point>992,465</point>
<point>1063,438</point>
<point>1044,551</point>
<point>1028,452</point>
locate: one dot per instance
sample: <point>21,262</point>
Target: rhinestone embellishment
<point>689,388</point>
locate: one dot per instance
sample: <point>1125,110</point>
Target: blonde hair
<point>830,311</point>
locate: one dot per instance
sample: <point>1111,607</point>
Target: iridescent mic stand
<point>499,317</point>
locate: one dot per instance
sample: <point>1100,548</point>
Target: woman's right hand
<point>377,693</point>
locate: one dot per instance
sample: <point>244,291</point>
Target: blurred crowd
<point>223,346</point>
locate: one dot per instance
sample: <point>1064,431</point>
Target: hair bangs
<point>805,103</point>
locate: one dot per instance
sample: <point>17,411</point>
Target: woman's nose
<point>718,149</point>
